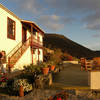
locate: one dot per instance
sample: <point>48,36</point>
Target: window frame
<point>11,36</point>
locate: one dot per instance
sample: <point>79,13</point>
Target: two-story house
<point>21,41</point>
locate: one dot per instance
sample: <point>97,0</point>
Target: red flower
<point>59,98</point>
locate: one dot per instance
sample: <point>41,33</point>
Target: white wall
<point>41,37</point>
<point>26,59</point>
<point>73,62</point>
<point>41,55</point>
<point>35,56</point>
<point>28,34</point>
<point>94,79</point>
<point>7,44</point>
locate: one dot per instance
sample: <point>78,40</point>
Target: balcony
<point>36,43</point>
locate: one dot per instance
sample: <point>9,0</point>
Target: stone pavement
<point>71,77</point>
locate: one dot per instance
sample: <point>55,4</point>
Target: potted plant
<point>52,66</point>
<point>45,68</point>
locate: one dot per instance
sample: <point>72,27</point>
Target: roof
<point>10,12</point>
<point>34,24</point>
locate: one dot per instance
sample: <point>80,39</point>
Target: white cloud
<point>29,6</point>
<point>96,36</point>
<point>52,22</point>
<point>90,9</point>
<point>94,46</point>
<point>92,21</point>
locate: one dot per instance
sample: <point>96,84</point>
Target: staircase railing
<point>14,49</point>
<point>17,52</point>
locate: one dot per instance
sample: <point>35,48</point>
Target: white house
<point>21,41</point>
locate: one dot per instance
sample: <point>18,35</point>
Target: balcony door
<point>24,35</point>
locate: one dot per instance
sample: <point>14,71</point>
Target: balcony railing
<point>36,42</point>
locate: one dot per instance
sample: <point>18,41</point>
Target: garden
<point>32,77</point>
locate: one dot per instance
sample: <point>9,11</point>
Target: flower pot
<point>21,91</point>
<point>45,70</point>
<point>96,61</point>
<point>52,68</point>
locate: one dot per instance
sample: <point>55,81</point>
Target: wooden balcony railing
<point>36,42</point>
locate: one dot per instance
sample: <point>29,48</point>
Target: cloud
<point>51,22</point>
<point>29,6</point>
<point>93,21</point>
<point>96,36</point>
<point>94,46</point>
<point>90,9</point>
<point>74,5</point>
<point>54,22</point>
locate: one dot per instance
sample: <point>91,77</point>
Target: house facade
<point>21,41</point>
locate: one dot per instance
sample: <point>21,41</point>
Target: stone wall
<point>45,94</point>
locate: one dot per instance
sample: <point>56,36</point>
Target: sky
<point>78,20</point>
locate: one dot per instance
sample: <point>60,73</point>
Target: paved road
<point>71,76</point>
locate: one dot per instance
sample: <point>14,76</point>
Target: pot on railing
<point>96,61</point>
<point>52,67</point>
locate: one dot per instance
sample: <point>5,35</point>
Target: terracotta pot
<point>52,68</point>
<point>21,91</point>
<point>96,61</point>
<point>45,70</point>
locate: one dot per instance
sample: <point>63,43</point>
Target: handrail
<point>20,46</point>
<point>15,49</point>
<point>11,58</point>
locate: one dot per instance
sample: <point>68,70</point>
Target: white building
<point>21,40</point>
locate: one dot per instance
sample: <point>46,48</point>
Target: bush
<point>3,80</point>
<point>33,68</point>
<point>3,85</point>
<point>22,82</point>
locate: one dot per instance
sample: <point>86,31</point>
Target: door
<point>24,35</point>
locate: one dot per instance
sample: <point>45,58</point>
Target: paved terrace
<point>71,77</point>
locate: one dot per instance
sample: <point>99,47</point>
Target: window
<point>11,29</point>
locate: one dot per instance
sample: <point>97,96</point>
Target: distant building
<point>49,51</point>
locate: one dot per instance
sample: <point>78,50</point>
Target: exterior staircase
<point>17,52</point>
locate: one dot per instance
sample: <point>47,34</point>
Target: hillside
<point>67,45</point>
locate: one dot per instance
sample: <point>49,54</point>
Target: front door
<point>24,35</point>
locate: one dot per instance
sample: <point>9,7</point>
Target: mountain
<point>53,41</point>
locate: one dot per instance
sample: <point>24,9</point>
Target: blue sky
<point>79,20</point>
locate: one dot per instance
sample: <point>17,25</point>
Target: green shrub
<point>33,68</point>
<point>3,85</point>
